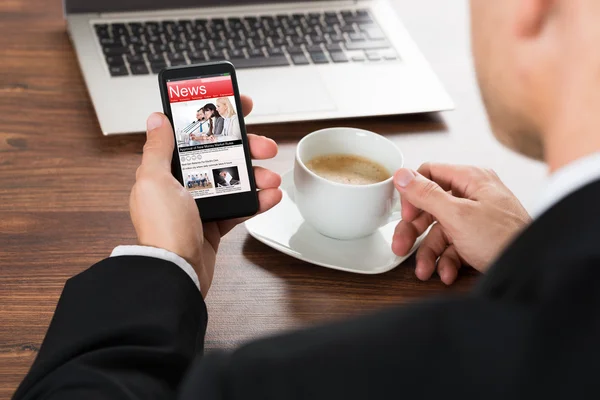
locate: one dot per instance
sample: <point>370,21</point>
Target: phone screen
<point>206,121</point>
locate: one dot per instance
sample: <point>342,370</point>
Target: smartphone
<point>211,158</point>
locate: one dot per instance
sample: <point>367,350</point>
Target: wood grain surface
<point>64,189</point>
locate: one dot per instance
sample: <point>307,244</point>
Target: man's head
<point>535,61</point>
<point>200,115</point>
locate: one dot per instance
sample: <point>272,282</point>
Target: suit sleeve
<point>127,328</point>
<point>425,351</point>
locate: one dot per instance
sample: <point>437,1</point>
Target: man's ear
<point>532,16</point>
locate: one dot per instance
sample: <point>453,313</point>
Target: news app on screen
<point>209,137</point>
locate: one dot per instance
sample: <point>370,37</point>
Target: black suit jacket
<point>133,328</point>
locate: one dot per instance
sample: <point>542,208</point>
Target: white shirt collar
<point>567,180</point>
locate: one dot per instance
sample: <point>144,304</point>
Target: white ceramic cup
<point>342,211</point>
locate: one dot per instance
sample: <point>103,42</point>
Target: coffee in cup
<point>339,188</point>
<point>349,169</point>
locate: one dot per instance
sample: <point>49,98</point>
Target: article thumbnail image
<point>196,180</point>
<point>205,121</point>
<point>226,177</point>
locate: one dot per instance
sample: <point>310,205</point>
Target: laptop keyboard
<point>142,48</point>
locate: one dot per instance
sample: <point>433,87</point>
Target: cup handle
<point>396,212</point>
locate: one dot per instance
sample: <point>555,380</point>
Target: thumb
<point>160,142</point>
<point>421,193</point>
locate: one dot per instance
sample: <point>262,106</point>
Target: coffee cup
<point>346,211</point>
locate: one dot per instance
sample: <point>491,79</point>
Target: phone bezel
<point>220,207</point>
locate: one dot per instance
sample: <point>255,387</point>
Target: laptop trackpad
<point>294,90</point>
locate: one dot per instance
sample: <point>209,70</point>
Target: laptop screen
<point>94,6</point>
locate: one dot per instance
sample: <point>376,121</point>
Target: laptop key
<point>356,36</point>
<point>373,55</point>
<point>115,61</point>
<point>219,44</point>
<point>156,58</point>
<point>328,29</point>
<point>181,47</point>
<point>135,59</point>
<point>216,55</point>
<point>178,63</point>
<point>139,69</point>
<point>118,70</point>
<point>390,56</point>
<point>374,34</point>
<point>257,42</point>
<point>161,48</point>
<point>338,56</point>
<point>358,19</point>
<point>140,49</point>
<point>316,39</point>
<point>200,45</point>
<point>319,57</point>
<point>300,59</point>
<point>314,49</point>
<point>197,56</point>
<point>367,45</point>
<point>277,61</point>
<point>333,47</point>
<point>235,53</point>
<point>274,51</point>
<point>103,33</point>
<point>115,51</point>
<point>175,57</point>
<point>255,53</point>
<point>295,50</point>
<point>239,44</point>
<point>336,38</point>
<point>348,28</point>
<point>153,39</point>
<point>298,40</point>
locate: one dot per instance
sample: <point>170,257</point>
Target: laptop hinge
<point>234,9</point>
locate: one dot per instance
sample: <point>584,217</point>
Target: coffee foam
<point>348,169</point>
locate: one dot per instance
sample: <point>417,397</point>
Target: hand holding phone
<point>165,215</point>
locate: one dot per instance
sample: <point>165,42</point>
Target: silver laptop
<point>298,60</point>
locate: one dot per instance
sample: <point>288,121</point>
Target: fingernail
<point>404,177</point>
<point>154,121</point>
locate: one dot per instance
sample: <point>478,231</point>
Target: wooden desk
<point>64,189</point>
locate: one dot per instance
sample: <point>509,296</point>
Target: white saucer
<point>284,229</point>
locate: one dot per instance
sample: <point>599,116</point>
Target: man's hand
<point>165,214</point>
<point>476,216</point>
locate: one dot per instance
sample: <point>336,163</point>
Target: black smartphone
<point>211,157</point>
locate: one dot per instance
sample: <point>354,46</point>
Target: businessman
<point>133,325</point>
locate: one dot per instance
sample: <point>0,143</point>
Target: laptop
<point>311,60</point>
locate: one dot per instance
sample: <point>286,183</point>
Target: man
<point>196,128</point>
<point>132,327</point>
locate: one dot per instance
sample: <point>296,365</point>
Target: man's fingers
<point>448,265</point>
<point>409,212</point>
<point>158,150</point>
<point>266,179</point>
<point>247,105</point>
<point>406,233</point>
<point>461,180</point>
<point>262,148</point>
<point>423,193</point>
<point>431,249</point>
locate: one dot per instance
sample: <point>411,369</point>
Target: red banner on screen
<point>198,89</point>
